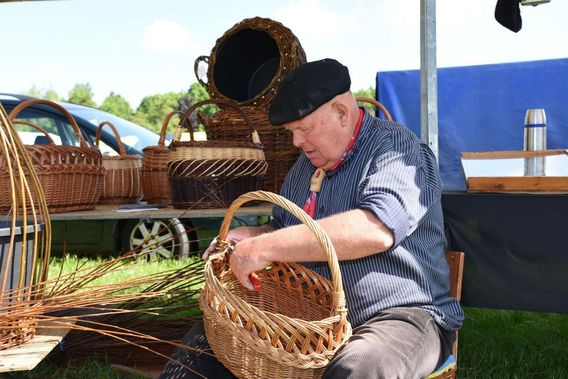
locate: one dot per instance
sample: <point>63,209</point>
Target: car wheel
<point>156,238</point>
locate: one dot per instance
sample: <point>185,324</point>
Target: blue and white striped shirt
<point>395,176</point>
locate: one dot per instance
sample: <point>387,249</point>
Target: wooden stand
<point>27,355</point>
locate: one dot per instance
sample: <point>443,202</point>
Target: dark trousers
<point>397,343</point>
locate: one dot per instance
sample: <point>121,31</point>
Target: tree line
<point>153,109</point>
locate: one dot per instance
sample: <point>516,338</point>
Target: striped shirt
<point>395,176</point>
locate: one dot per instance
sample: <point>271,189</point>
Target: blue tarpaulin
<point>482,108</point>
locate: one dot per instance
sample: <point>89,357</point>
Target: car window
<point>131,134</point>
<point>57,127</point>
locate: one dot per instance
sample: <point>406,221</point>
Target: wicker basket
<point>70,176</point>
<point>121,183</point>
<point>249,60</point>
<point>292,327</point>
<point>211,174</point>
<point>155,186</point>
<point>228,124</point>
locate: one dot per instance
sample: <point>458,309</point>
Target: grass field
<point>492,344</point>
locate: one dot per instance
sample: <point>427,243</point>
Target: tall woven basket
<point>292,327</point>
<point>155,184</point>
<point>211,174</point>
<point>70,176</point>
<point>121,182</point>
<point>245,66</point>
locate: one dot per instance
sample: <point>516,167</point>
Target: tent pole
<point>428,75</point>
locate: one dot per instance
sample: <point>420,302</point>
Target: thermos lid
<point>535,117</point>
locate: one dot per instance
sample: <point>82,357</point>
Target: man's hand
<point>245,260</point>
<point>239,234</point>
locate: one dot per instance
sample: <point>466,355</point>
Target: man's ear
<point>342,112</point>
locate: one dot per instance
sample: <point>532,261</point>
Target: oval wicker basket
<point>121,182</point>
<point>211,174</point>
<point>249,60</point>
<point>292,327</point>
<point>155,186</point>
<point>70,176</point>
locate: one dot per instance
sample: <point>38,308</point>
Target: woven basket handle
<point>324,240</point>
<point>121,149</point>
<point>202,58</point>
<point>165,124</point>
<point>36,127</point>
<point>376,104</point>
<point>28,103</point>
<point>185,119</point>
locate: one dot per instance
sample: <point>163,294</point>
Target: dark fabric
<point>508,14</point>
<point>199,358</point>
<point>515,249</point>
<point>400,342</point>
<point>307,87</point>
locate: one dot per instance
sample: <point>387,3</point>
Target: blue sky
<point>143,47</point>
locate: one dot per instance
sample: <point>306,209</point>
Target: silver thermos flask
<point>535,130</point>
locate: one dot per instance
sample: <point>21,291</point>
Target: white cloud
<point>166,36</point>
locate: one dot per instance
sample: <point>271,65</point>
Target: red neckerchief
<point>319,174</point>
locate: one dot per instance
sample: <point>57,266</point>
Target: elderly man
<point>375,189</point>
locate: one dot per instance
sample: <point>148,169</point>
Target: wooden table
<point>27,355</point>
<point>114,212</point>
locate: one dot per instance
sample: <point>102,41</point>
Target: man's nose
<point>298,138</point>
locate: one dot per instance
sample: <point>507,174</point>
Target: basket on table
<point>155,184</point>
<point>121,183</point>
<point>291,327</point>
<point>211,174</point>
<point>70,176</point>
<point>245,66</point>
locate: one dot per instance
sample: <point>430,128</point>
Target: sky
<point>138,48</point>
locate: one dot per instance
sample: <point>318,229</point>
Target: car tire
<point>156,238</point>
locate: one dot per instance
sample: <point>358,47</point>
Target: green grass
<point>513,344</point>
<point>492,344</point>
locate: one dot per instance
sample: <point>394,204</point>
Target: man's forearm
<point>354,234</point>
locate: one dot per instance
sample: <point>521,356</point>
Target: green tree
<point>117,105</point>
<point>82,94</point>
<point>369,93</point>
<point>51,95</point>
<point>34,92</point>
<point>153,109</point>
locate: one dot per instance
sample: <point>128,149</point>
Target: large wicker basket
<point>69,175</point>
<point>211,174</point>
<point>154,167</point>
<point>121,184</point>
<point>292,327</point>
<point>249,60</point>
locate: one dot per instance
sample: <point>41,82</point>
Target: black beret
<point>307,87</point>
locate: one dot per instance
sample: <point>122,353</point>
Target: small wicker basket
<point>155,184</point>
<point>121,184</point>
<point>70,176</point>
<point>292,327</point>
<point>211,174</point>
<point>376,104</point>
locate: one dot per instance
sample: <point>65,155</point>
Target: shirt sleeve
<point>401,184</point>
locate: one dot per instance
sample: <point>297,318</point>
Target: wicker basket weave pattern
<point>69,175</point>
<point>231,59</point>
<point>122,182</point>
<point>211,174</point>
<point>154,167</point>
<point>292,327</point>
